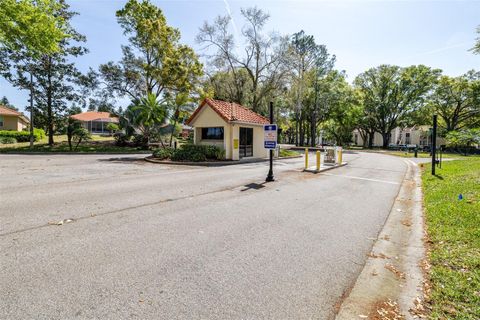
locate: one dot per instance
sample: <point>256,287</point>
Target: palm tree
<point>148,112</point>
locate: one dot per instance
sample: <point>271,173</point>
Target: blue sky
<point>362,34</point>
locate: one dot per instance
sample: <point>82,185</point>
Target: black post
<point>434,143</point>
<point>270,171</point>
<point>31,110</point>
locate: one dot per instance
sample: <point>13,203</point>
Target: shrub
<point>197,153</point>
<point>163,153</point>
<point>39,134</point>
<point>7,140</point>
<point>23,136</point>
<point>140,140</point>
<point>121,139</point>
<point>112,127</point>
<point>79,135</point>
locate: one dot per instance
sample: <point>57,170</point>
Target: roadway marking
<point>359,178</point>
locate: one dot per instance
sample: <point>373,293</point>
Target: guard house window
<point>1,121</point>
<point>213,133</point>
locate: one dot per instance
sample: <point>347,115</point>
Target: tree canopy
<point>31,25</point>
<point>154,62</point>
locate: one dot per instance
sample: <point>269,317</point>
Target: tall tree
<point>305,57</point>
<point>390,93</point>
<point>476,48</point>
<point>263,58</point>
<point>31,25</point>
<point>5,103</point>
<point>456,101</point>
<point>344,109</point>
<point>154,62</point>
<point>56,76</point>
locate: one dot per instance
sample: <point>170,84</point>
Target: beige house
<point>416,135</point>
<point>236,129</point>
<point>95,122</point>
<point>12,120</point>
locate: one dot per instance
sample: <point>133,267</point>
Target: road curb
<point>214,163</point>
<point>392,278</point>
<point>326,168</point>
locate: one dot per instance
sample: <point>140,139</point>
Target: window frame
<point>217,137</point>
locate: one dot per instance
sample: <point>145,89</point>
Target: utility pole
<point>270,172</point>
<point>434,144</point>
<point>31,110</point>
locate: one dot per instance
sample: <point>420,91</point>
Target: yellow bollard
<point>340,153</point>
<point>318,160</point>
<point>306,158</point>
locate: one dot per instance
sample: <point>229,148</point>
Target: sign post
<point>270,141</point>
<point>434,144</point>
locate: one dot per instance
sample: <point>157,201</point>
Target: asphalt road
<point>149,241</point>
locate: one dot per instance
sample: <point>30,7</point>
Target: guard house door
<point>246,142</point>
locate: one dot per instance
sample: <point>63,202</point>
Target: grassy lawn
<point>454,229</point>
<point>288,153</point>
<point>411,154</point>
<point>97,144</point>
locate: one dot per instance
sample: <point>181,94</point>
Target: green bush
<point>140,140</point>
<point>112,127</point>
<point>39,134</point>
<point>23,136</point>
<point>198,153</point>
<point>163,153</point>
<point>190,152</point>
<point>121,139</point>
<point>7,140</point>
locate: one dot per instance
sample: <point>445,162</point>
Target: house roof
<point>95,116</point>
<point>4,111</point>
<point>230,112</point>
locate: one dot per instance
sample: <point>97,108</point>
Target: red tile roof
<point>94,115</point>
<point>4,111</point>
<point>230,111</point>
<point>8,112</point>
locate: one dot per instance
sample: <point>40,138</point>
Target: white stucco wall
<point>207,117</point>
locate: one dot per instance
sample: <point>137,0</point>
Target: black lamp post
<point>434,143</point>
<point>270,171</point>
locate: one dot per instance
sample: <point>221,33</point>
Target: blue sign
<point>270,136</point>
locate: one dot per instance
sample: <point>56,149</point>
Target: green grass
<point>97,144</point>
<point>411,154</point>
<point>454,230</point>
<point>288,153</point>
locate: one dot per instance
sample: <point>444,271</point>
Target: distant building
<point>12,120</point>
<point>416,135</point>
<point>233,127</point>
<point>95,122</point>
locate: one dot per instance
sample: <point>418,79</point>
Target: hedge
<point>191,152</point>
<point>23,136</point>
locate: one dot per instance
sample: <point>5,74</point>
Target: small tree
<point>112,127</point>
<point>149,112</point>
<point>76,133</point>
<point>81,134</point>
<point>463,139</point>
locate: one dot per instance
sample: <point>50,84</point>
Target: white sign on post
<point>270,136</point>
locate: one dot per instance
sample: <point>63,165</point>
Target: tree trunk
<point>313,132</point>
<point>173,128</point>
<point>371,136</point>
<point>386,139</point>
<point>296,131</point>
<point>49,104</point>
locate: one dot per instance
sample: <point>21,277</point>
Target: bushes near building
<point>22,136</point>
<point>191,152</point>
